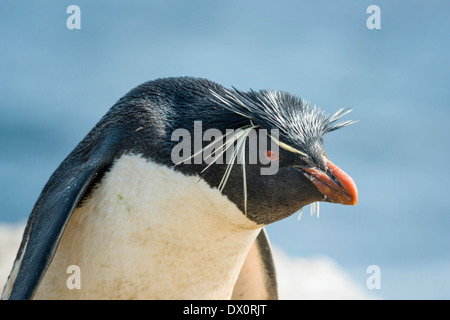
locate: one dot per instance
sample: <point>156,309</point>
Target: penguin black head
<point>160,115</point>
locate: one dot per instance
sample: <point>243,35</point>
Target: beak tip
<point>346,193</point>
<point>352,193</point>
<point>346,181</point>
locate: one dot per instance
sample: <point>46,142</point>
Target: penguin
<point>136,224</point>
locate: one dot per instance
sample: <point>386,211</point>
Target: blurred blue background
<point>56,83</point>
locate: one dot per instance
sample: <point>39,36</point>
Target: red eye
<point>273,156</point>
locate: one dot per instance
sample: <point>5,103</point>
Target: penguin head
<point>261,149</point>
<point>292,168</point>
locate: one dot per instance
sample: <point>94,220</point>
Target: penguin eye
<point>273,156</point>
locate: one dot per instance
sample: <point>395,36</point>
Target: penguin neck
<point>157,232</point>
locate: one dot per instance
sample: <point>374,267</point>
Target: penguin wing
<point>257,279</point>
<point>52,211</point>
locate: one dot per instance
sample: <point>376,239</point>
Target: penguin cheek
<point>296,191</point>
<point>304,191</point>
<point>309,192</point>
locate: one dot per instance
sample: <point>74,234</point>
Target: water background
<point>56,83</point>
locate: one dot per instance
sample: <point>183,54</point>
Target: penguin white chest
<point>148,232</point>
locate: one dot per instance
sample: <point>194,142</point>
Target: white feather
<point>149,232</point>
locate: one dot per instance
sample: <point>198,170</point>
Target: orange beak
<point>344,193</point>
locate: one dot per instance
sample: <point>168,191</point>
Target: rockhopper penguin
<point>140,225</point>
